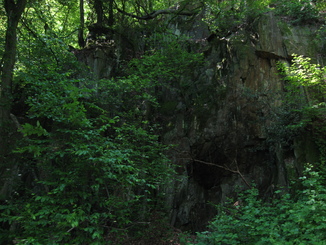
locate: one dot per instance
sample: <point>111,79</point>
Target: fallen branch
<point>225,168</point>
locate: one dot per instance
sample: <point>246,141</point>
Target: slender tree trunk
<point>98,5</point>
<point>13,11</point>
<point>111,17</point>
<point>81,40</point>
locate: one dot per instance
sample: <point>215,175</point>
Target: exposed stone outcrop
<point>242,90</point>
<point>220,130</point>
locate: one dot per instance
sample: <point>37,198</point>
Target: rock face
<point>228,128</point>
<point>221,130</point>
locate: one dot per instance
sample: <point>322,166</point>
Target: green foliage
<point>285,220</point>
<point>90,158</point>
<point>169,65</point>
<point>225,16</point>
<point>302,73</point>
<point>299,11</point>
<point>92,161</point>
<point>303,108</point>
<point>321,34</point>
<point>168,60</point>
<point>321,5</point>
<point>2,30</point>
<point>305,98</point>
<point>288,218</point>
<point>51,19</point>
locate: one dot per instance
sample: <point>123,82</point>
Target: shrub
<point>90,159</point>
<point>90,163</point>
<point>299,11</point>
<point>305,97</point>
<point>224,17</point>
<point>290,219</point>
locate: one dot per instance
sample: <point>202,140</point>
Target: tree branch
<point>36,36</point>
<point>225,168</point>
<point>158,12</point>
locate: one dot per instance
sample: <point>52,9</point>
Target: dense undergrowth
<point>90,165</point>
<point>90,159</point>
<point>289,218</point>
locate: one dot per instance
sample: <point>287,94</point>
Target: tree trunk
<point>98,5</point>
<point>13,11</point>
<point>111,17</point>
<point>81,40</point>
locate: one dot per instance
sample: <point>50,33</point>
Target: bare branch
<point>242,177</point>
<point>225,168</point>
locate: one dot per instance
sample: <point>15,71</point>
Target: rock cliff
<point>221,132</point>
<point>223,142</point>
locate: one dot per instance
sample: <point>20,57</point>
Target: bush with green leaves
<point>321,5</point>
<point>305,98</point>
<point>302,112</point>
<point>170,68</point>
<point>287,219</point>
<point>91,174</point>
<point>299,11</point>
<point>90,158</point>
<point>90,163</point>
<point>305,76</point>
<point>227,16</point>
